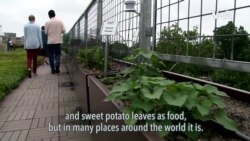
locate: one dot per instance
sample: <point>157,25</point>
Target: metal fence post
<point>73,32</point>
<point>78,31</point>
<point>145,24</point>
<point>99,20</point>
<point>154,24</point>
<point>86,29</point>
<point>106,51</point>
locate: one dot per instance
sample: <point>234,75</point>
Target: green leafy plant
<point>66,38</point>
<point>147,63</point>
<point>92,58</point>
<point>144,90</point>
<point>118,50</point>
<point>241,41</point>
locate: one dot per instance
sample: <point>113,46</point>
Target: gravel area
<point>240,112</point>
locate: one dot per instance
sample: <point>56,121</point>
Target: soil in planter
<point>114,68</point>
<point>239,111</point>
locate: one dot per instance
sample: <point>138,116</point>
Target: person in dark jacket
<point>9,45</point>
<point>45,46</point>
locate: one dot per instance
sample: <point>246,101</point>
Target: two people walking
<point>33,42</point>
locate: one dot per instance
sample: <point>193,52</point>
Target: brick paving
<point>27,111</point>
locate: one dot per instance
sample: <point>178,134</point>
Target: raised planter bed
<point>97,93</point>
<point>78,77</point>
<point>94,93</point>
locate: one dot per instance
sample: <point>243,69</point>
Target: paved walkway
<point>25,113</point>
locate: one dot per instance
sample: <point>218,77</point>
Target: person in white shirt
<point>54,28</point>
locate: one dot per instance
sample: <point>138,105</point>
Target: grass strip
<point>12,70</point>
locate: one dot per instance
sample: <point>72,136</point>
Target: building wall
<point>10,35</point>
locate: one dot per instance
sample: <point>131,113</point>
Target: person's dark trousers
<point>54,57</point>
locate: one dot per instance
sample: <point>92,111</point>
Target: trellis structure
<point>146,27</point>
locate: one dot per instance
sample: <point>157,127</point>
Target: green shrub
<point>118,50</point>
<point>235,79</point>
<point>92,57</point>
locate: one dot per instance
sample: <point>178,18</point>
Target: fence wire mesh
<point>203,28</point>
<point>213,33</point>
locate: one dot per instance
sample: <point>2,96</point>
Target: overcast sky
<point>14,13</point>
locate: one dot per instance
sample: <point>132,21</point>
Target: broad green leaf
<point>129,110</point>
<point>213,90</point>
<point>133,84</point>
<point>217,100</point>
<point>203,109</point>
<point>156,78</point>
<point>188,91</point>
<point>210,89</point>
<point>146,91</point>
<point>191,100</point>
<point>198,86</point>
<point>189,85</point>
<point>152,80</point>
<point>129,96</point>
<point>142,104</point>
<point>182,84</point>
<point>220,93</point>
<point>222,118</point>
<point>175,99</point>
<point>113,96</point>
<point>121,87</point>
<point>161,82</point>
<point>144,82</point>
<point>196,114</point>
<point>155,94</point>
<point>166,82</point>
